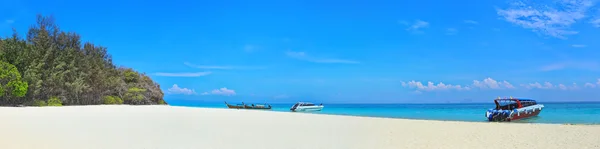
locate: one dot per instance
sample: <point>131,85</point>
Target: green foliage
<point>135,93</point>
<point>39,103</point>
<point>51,63</point>
<point>131,76</point>
<point>10,81</point>
<point>19,88</point>
<point>54,101</point>
<point>109,100</point>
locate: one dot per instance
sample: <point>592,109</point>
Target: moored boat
<point>306,106</point>
<point>511,109</point>
<point>251,106</point>
<point>238,106</point>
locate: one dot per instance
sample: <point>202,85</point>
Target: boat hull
<point>307,108</point>
<point>234,107</point>
<point>512,115</point>
<point>258,107</point>
<point>244,106</point>
<point>525,115</point>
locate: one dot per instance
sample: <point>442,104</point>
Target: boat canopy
<point>513,103</point>
<point>304,104</point>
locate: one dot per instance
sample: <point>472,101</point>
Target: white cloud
<point>490,83</point>
<point>432,86</point>
<point>304,56</point>
<point>487,83</point>
<point>548,85</point>
<point>206,66</point>
<point>552,20</point>
<point>183,74</point>
<point>471,22</point>
<point>579,46</point>
<point>177,90</point>
<point>451,31</point>
<point>222,91</point>
<point>582,65</point>
<point>219,67</point>
<point>419,24</point>
<point>596,22</point>
<point>250,48</point>
<point>589,85</point>
<point>416,26</point>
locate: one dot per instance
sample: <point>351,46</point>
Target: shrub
<point>109,100</point>
<point>39,103</point>
<point>54,101</point>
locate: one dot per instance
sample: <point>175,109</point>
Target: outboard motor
<point>497,115</point>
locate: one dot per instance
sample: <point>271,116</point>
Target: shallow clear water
<point>576,113</point>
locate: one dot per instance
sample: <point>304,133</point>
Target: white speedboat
<point>306,106</point>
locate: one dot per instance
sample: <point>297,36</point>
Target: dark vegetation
<point>51,67</point>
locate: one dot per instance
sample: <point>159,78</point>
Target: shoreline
<point>316,113</point>
<point>483,120</point>
<point>159,126</point>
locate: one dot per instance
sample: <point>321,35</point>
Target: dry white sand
<point>166,127</point>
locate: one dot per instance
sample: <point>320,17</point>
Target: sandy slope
<point>165,127</point>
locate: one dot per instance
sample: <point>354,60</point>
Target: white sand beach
<point>167,127</point>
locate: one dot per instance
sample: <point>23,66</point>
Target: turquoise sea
<point>557,113</point>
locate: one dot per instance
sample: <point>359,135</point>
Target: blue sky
<point>342,51</point>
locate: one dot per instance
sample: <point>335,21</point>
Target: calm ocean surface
<point>558,113</point>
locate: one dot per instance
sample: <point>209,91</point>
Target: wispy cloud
<point>551,20</point>
<point>432,86</point>
<point>491,84</point>
<point>451,31</point>
<point>487,83</point>
<point>548,85</point>
<point>582,65</point>
<point>250,48</point>
<point>178,90</point>
<point>415,26</point>
<point>589,85</point>
<point>596,22</point>
<point>206,66</point>
<point>592,85</point>
<point>9,21</point>
<point>304,56</point>
<point>220,67</point>
<point>579,46</point>
<point>471,22</point>
<point>183,74</point>
<point>222,91</point>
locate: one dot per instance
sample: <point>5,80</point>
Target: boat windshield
<point>309,104</point>
<point>507,105</point>
<point>526,103</point>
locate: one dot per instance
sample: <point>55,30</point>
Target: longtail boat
<point>238,106</point>
<point>251,106</point>
<point>511,109</point>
